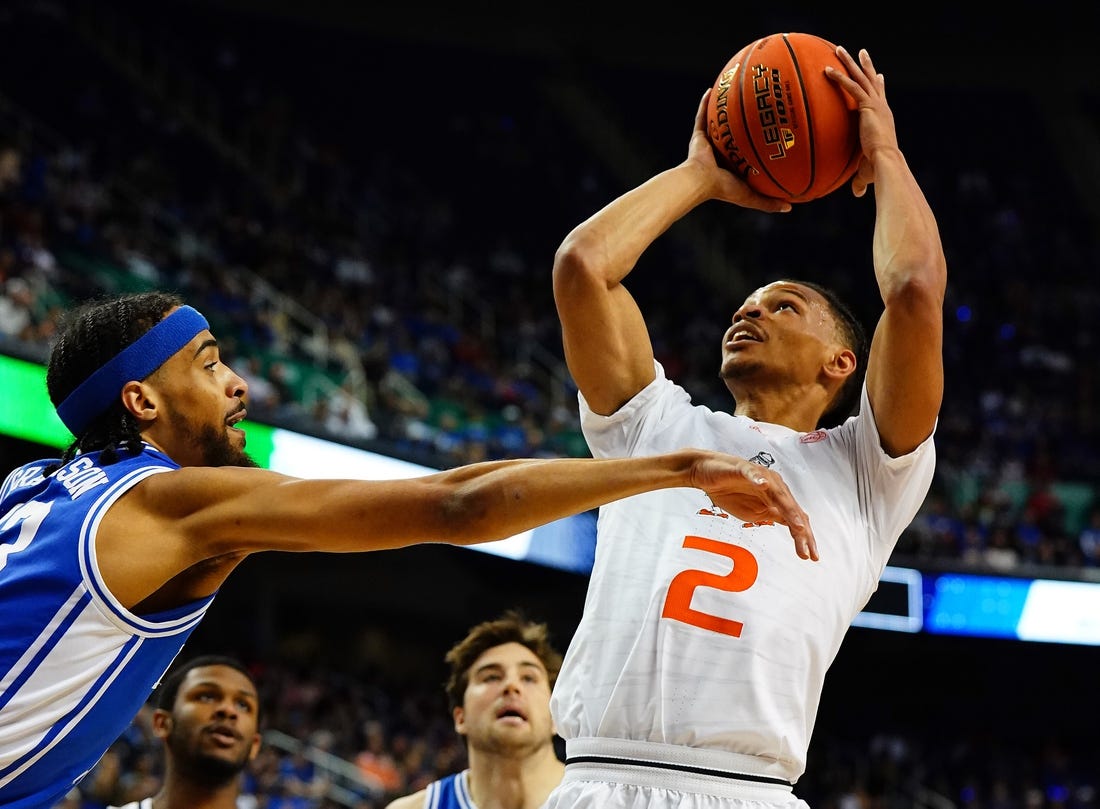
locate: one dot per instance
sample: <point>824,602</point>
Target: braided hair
<point>91,336</point>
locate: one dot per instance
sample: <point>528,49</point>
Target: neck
<point>180,794</point>
<point>513,782</point>
<point>796,407</point>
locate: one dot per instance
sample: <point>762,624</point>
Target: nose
<point>748,309</point>
<point>227,709</point>
<point>236,385</point>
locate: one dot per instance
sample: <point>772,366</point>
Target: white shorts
<point>643,782</point>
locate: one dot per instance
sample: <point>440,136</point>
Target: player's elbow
<point>569,259</point>
<point>465,516</point>
<point>577,264</point>
<point>920,294</point>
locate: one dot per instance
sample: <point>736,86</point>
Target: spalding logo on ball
<point>778,122</point>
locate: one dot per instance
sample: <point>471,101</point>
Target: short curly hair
<point>166,693</point>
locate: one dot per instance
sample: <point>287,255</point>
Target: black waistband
<point>664,765</point>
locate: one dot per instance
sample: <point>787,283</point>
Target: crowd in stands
<point>373,296</point>
<point>374,255</point>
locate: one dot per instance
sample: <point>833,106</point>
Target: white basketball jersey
<point>702,631</point>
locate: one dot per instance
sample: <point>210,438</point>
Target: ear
<point>140,400</point>
<point>841,365</point>
<point>254,750</point>
<point>459,715</point>
<point>162,723</point>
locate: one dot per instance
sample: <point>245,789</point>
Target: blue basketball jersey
<point>75,665</point>
<point>451,792</point>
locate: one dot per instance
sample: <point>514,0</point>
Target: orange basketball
<point>777,121</point>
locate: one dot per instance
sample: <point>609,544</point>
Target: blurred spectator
<point>263,395</point>
<point>347,417</point>
<point>299,784</point>
<point>16,310</point>
<point>1089,539</point>
<point>11,167</point>
<point>1000,553</point>
<point>375,760</point>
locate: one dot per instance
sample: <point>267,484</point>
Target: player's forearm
<point>611,241</point>
<point>468,505</point>
<point>908,255</point>
<point>905,369</point>
<point>491,501</point>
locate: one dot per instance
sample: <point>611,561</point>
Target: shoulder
<point>639,425</point>
<point>416,800</point>
<point>862,431</point>
<point>27,476</point>
<point>660,389</point>
<point>192,486</point>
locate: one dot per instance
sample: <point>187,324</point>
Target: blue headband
<point>135,362</point>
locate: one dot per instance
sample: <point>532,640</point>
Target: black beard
<point>214,444</point>
<point>217,451</point>
<point>209,771</point>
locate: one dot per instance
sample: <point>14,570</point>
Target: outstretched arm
<point>606,342</point>
<point>905,367</point>
<point>190,527</point>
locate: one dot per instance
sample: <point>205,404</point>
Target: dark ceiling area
<point>926,44</point>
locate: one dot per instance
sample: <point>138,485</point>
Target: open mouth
<point>511,713</point>
<point>223,735</point>
<point>744,335</point>
<point>236,418</point>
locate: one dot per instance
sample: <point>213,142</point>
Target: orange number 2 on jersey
<point>678,601</point>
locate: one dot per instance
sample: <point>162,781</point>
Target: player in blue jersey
<point>208,719</point>
<point>111,555</point>
<point>499,690</point>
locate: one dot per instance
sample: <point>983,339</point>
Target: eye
<point>244,705</point>
<point>786,305</point>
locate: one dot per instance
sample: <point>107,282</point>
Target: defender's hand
<point>753,493</point>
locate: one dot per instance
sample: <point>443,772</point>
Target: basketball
<point>778,122</point>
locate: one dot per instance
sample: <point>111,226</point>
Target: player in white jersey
<point>111,555</point>
<point>695,674</point>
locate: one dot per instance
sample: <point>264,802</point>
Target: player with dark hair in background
<point>208,718</point>
<point>499,687</point>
